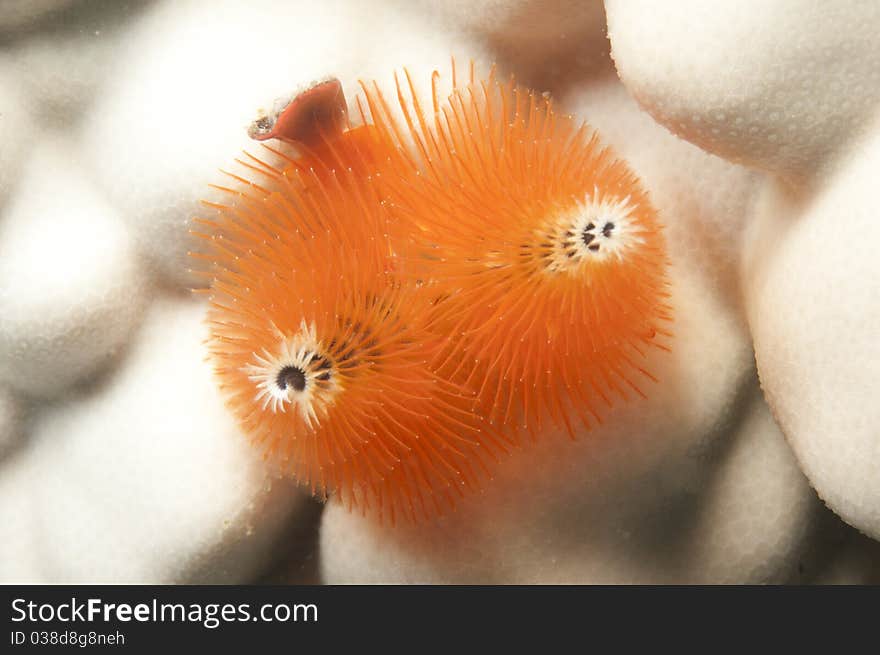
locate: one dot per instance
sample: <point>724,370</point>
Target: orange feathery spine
<point>322,350</point>
<point>544,247</point>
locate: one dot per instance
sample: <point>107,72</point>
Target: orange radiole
<point>544,245</point>
<point>393,303</point>
<point>324,352</point>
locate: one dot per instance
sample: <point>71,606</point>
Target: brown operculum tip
<point>308,117</point>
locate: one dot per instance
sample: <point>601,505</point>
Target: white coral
<point>129,469</point>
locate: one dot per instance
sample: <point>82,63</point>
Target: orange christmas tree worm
<point>394,302</point>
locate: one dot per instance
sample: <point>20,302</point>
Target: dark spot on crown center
<point>292,376</point>
<point>607,229</point>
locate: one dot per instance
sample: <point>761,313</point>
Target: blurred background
<point>118,461</point>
